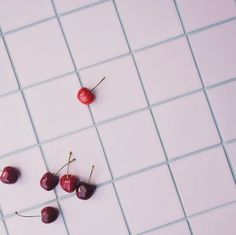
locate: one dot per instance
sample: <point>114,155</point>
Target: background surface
<point>161,133</point>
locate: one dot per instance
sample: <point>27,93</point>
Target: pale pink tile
<point>148,22</point>
<point>7,81</point>
<point>231,149</point>
<point>217,222</point>
<point>87,150</point>
<point>99,215</point>
<point>39,53</point>
<point>215,52</point>
<point>175,229</point>
<point>26,192</point>
<point>204,180</point>
<point>19,226</point>
<point>55,108</point>
<point>94,34</point>
<point>223,103</point>
<point>14,14</point>
<point>63,6</point>
<point>16,130</point>
<point>2,229</point>
<point>149,199</point>
<point>200,13</point>
<point>120,93</point>
<point>168,70</point>
<point>131,143</point>
<point>186,125</point>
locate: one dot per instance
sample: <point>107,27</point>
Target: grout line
<point>205,93</point>
<point>29,114</point>
<point>153,118</point>
<point>91,114</point>
<point>2,218</point>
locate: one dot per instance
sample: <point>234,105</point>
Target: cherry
<point>50,180</point>
<point>69,182</point>
<point>86,96</point>
<point>85,190</point>
<point>48,214</point>
<point>9,175</point>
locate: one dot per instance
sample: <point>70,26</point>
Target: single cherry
<point>50,180</point>
<point>48,214</point>
<point>85,190</point>
<point>85,95</point>
<point>69,182</point>
<point>9,175</point>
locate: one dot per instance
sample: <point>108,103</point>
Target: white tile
<point>175,229</point>
<point>200,13</point>
<point>99,215</point>
<point>186,125</point>
<point>7,77</point>
<point>86,149</point>
<point>131,143</point>
<point>148,22</point>
<point>120,93</point>
<point>204,180</point>
<point>55,108</point>
<point>63,6</point>
<point>217,222</point>
<point>168,70</point>
<point>26,192</point>
<point>94,34</point>
<point>223,103</point>
<point>215,52</point>
<point>2,229</point>
<point>231,149</point>
<point>153,196</point>
<point>19,226</point>
<point>14,14</point>
<point>39,53</point>
<point>16,130</point>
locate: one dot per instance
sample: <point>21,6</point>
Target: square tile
<point>19,226</point>
<point>120,93</point>
<point>63,6</point>
<point>200,13</point>
<point>16,130</point>
<point>56,153</point>
<point>43,50</point>
<point>157,201</point>
<point>222,99</point>
<point>217,222</point>
<point>17,197</point>
<point>14,14</point>
<point>148,22</point>
<point>168,70</point>
<point>94,34</point>
<point>186,125</point>
<point>131,143</point>
<point>175,229</point>
<point>2,229</point>
<point>231,149</point>
<point>215,52</point>
<point>94,216</point>
<point>204,180</point>
<point>7,77</point>
<point>55,108</point>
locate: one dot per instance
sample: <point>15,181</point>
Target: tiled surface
<point>153,133</point>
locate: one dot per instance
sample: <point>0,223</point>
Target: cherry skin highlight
<point>49,181</point>
<point>49,214</point>
<point>85,191</point>
<point>9,175</point>
<point>85,96</point>
<point>69,183</point>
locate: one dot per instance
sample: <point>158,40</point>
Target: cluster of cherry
<point>68,182</point>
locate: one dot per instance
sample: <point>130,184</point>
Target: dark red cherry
<point>69,182</point>
<point>9,175</point>
<point>85,190</point>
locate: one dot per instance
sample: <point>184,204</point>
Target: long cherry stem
<point>65,165</point>
<point>27,216</point>
<point>98,83</point>
<point>68,165</point>
<point>91,172</point>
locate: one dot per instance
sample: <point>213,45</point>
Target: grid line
<point>205,93</point>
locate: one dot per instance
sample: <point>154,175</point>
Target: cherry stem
<point>27,216</point>
<point>65,165</point>
<point>98,84</point>
<point>91,172</point>
<point>68,165</point>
